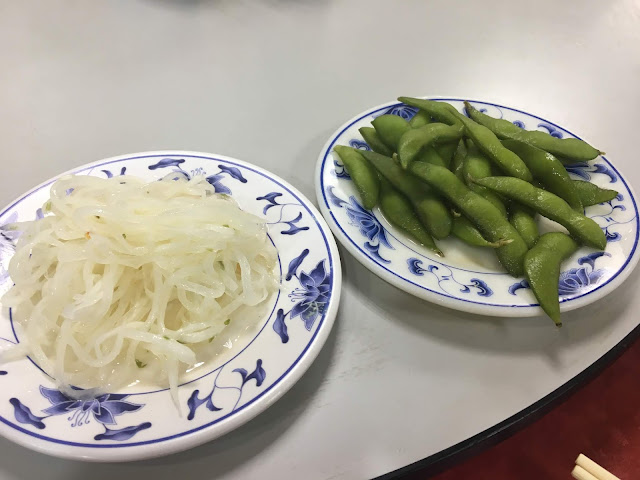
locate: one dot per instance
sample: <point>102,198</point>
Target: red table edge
<point>447,458</point>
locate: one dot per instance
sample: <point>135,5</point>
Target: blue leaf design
<point>295,264</point>
<point>167,162</point>
<point>54,396</point>
<point>604,169</point>
<point>415,266</point>
<point>258,374</point>
<point>579,169</point>
<point>280,327</point>
<point>519,123</point>
<point>194,402</point>
<point>233,172</point>
<point>3,372</point>
<point>333,198</point>
<point>359,144</point>
<point>553,131</point>
<point>23,414</point>
<point>374,251</point>
<point>122,434</point>
<point>271,198</point>
<point>591,258</point>
<point>404,111</point>
<point>216,182</point>
<point>340,171</point>
<point>483,288</point>
<point>517,286</point>
<point>293,228</point>
<point>107,173</point>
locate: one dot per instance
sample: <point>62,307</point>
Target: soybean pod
<point>390,129</point>
<point>415,140</point>
<point>524,221</point>
<point>547,170</point>
<point>364,176</point>
<point>374,141</point>
<point>463,229</point>
<point>484,215</point>
<point>431,210</point>
<point>398,210</point>
<point>549,205</point>
<point>419,119</point>
<point>572,149</point>
<point>474,167</point>
<point>542,269</point>
<point>591,194</point>
<point>489,144</point>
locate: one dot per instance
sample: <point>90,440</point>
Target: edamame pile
<point>482,180</point>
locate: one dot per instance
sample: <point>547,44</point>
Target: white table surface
<point>267,81</point>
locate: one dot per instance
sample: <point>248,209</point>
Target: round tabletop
<point>399,379</point>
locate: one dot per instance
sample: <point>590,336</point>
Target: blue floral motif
<point>519,123</point>
<point>215,180</point>
<point>194,402</point>
<point>310,298</point>
<point>121,434</point>
<point>108,173</point>
<point>551,130</point>
<point>402,110</point>
<point>415,267</point>
<point>610,219</point>
<point>104,409</point>
<point>359,144</point>
<point>339,170</point>
<point>575,280</point>
<point>367,223</point>
<point>272,201</point>
<point>584,170</point>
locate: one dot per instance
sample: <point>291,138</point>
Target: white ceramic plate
<point>471,279</point>
<point>244,380</point>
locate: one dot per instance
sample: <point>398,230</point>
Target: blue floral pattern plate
<point>250,373</point>
<point>467,278</point>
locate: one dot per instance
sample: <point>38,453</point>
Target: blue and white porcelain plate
<point>247,377</point>
<point>467,278</point>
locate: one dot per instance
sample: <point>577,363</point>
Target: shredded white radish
<point>124,280</point>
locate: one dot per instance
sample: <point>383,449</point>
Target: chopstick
<point>587,469</point>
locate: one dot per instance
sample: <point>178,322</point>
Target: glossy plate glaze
<point>467,278</point>
<point>250,374</point>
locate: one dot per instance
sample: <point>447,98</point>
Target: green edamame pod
<point>364,176</point>
<point>398,210</point>
<point>570,148</point>
<point>441,111</point>
<point>591,194</point>
<point>474,167</point>
<point>390,129</point>
<point>415,140</point>
<point>430,155</point>
<point>457,163</point>
<point>548,170</point>
<point>484,215</point>
<point>463,229</point>
<point>446,151</point>
<point>489,144</point>
<point>419,119</point>
<point>523,220</point>
<point>542,269</point>
<point>549,205</point>
<point>374,141</point>
<point>431,210</point>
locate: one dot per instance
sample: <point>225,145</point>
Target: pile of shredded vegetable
<point>125,280</point>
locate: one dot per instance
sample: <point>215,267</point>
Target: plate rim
<point>459,304</point>
<point>207,432</point>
